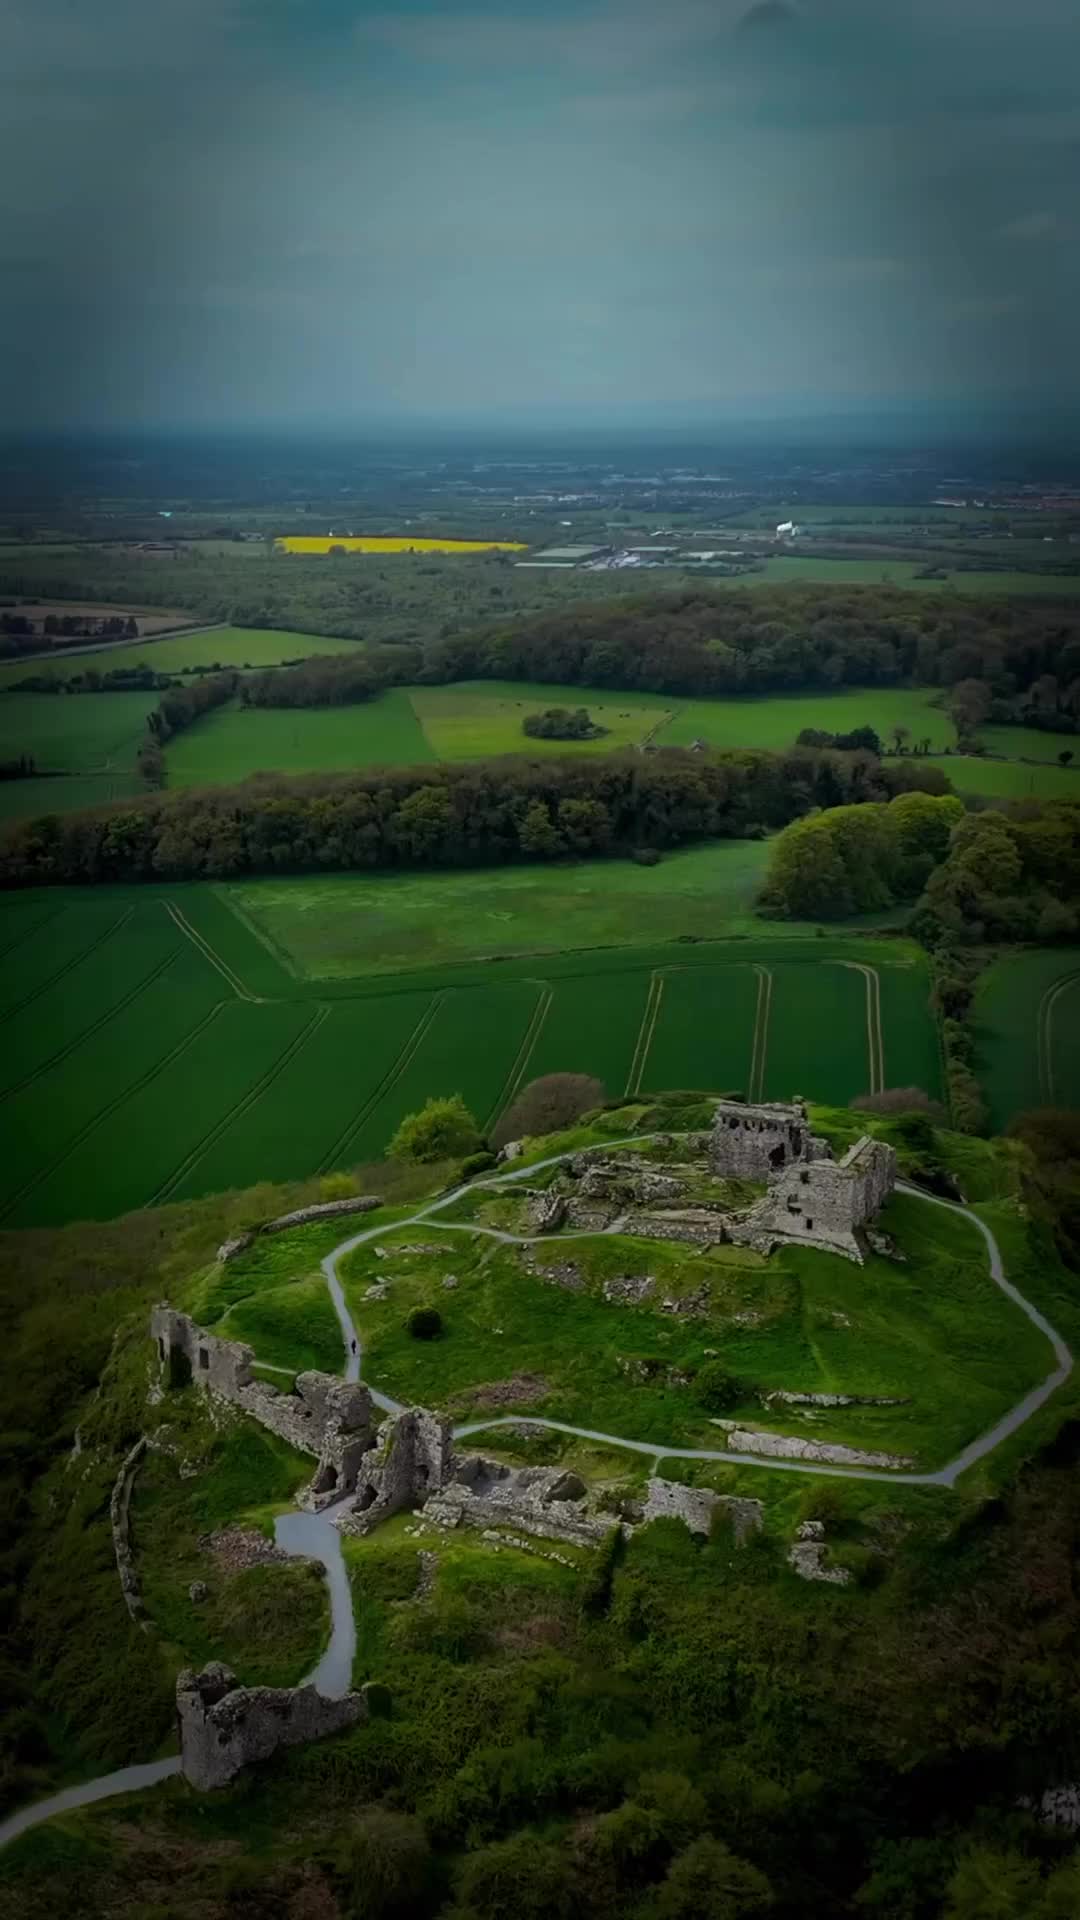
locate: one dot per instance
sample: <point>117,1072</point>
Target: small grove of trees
<point>859,740</point>
<point>134,679</point>
<point>547,1105</point>
<point>1006,876</point>
<point>562,723</point>
<point>899,1100</point>
<point>859,859</point>
<point>444,1129</point>
<point>332,679</point>
<point>182,705</point>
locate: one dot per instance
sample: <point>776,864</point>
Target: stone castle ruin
<point>225,1727</point>
<point>324,1415</point>
<point>811,1199</point>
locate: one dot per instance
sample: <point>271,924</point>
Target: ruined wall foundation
<point>225,1727</point>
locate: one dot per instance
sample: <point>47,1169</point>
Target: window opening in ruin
<point>777,1156</point>
<point>204,1359</point>
<point>805,1178</point>
<point>161,1347</point>
<point>365,1499</point>
<point>809,1225</point>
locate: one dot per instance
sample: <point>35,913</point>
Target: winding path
<point>315,1536</point>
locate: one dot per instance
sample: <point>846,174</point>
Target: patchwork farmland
<point>155,1048</point>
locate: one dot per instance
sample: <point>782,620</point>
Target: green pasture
<point>74,733</point>
<point>344,925</point>
<point>932,1331</point>
<point>1008,779</point>
<point>778,721</point>
<point>216,646</point>
<point>905,573</point>
<point>234,741</point>
<point>1029,743</point>
<point>68,793</point>
<point>1027,1031</point>
<point>475,718</point>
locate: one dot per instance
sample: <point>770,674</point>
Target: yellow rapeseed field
<point>390,543</point>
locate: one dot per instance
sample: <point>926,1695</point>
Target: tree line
<point>481,813</point>
<point>134,679</point>
<point>739,641</point>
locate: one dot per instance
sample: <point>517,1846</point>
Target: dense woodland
<point>448,816</point>
<point>1002,661</point>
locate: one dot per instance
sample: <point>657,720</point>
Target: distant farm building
<point>788,530</point>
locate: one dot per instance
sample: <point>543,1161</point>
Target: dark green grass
<point>910,1042</point>
<point>470,1048</point>
<point>292,1326</point>
<point>268,1623</point>
<point>308,1112</point>
<point>234,942</point>
<point>73,733</point>
<point>97,989</point>
<point>67,939</point>
<point>1016,1069</point>
<point>704,1033</point>
<point>134,1152</point>
<point>42,1125</point>
<point>235,741</point>
<point>932,1330</point>
<point>817,1038</point>
<point>68,793</point>
<point>592,1027</point>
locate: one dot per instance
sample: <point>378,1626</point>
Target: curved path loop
<point>316,1537</point>
<point>945,1476</point>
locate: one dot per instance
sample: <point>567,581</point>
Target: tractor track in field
<point>389,1080</point>
<point>29,932</point>
<point>759,1051</point>
<point>1044,1034</point>
<point>62,972</point>
<point>203,946</point>
<point>524,1053</point>
<point>106,1113</point>
<point>645,1032</point>
<point>243,1105</point>
<point>874,1039</point>
<point>55,1059</point>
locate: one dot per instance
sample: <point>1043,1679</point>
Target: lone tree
<point>555,1100</point>
<point>442,1130</point>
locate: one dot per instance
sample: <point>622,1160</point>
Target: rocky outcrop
<point>120,1522</point>
<point>323,1415</point>
<point>781,1397</point>
<point>225,1727</point>
<point>787,1446</point>
<point>808,1556</point>
<point>300,1217</point>
<point>696,1506</point>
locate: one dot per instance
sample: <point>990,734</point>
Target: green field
<point>74,733</point>
<point>905,573</point>
<point>234,741</point>
<point>778,721</point>
<point>930,1330</point>
<point>1027,1032</point>
<point>217,646</point>
<point>475,718</point>
<point>333,928</point>
<point>97,736</point>
<point>155,1048</point>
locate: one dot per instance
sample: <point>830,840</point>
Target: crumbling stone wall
<point>224,1727</point>
<point>788,1446</point>
<point>695,1507</point>
<point>411,1459</point>
<point>324,1416</point>
<point>120,1522</point>
<point>756,1143</point>
<point>546,1502</point>
<point>300,1217</point>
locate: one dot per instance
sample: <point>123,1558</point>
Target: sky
<point>339,213</point>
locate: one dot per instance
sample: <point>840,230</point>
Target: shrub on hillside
<point>477,1163</point>
<point>425,1323</point>
<point>547,1105</point>
<point>337,1186</point>
<point>716,1389</point>
<point>646,856</point>
<point>899,1100</point>
<point>382,1863</point>
<point>442,1130</point>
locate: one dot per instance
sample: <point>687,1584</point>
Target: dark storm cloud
<point>317,209</point>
